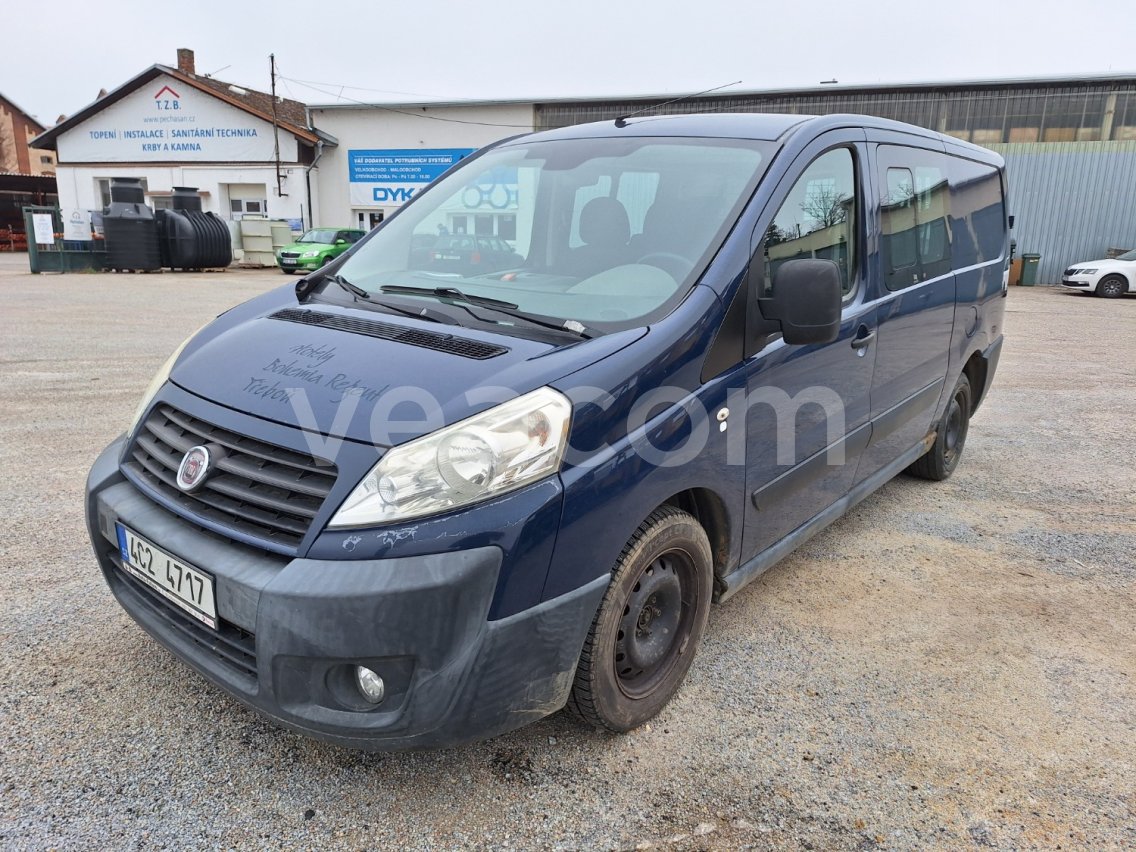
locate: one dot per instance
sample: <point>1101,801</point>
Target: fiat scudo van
<point>405,504</point>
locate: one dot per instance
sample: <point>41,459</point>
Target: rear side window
<point>978,222</point>
<point>817,219</point>
<point>915,215</point>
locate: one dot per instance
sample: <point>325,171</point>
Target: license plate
<point>187,587</point>
<point>288,261</point>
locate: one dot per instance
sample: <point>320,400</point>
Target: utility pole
<point>275,125</point>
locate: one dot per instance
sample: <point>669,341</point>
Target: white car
<point>1109,278</point>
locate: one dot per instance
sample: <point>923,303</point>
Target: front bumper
<point>306,263</point>
<point>292,629</point>
<point>1079,282</point>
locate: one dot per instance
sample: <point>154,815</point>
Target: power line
<point>362,88</point>
<point>409,113</point>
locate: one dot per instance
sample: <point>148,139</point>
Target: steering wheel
<point>675,265</point>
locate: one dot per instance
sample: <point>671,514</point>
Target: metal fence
<point>60,255</point>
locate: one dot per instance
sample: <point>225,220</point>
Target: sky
<point>56,61</point>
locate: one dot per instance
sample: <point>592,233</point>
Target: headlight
<point>310,254</point>
<point>1086,272</point>
<point>160,379</point>
<point>492,453</point>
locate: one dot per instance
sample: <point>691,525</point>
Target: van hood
<point>319,367</point>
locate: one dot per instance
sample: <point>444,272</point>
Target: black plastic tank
<point>129,228</point>
<point>190,238</point>
<point>186,198</point>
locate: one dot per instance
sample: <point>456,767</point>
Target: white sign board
<point>166,121</point>
<point>42,226</point>
<point>77,225</point>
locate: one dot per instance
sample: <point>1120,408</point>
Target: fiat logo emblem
<point>193,468</point>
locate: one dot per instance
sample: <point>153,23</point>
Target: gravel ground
<point>948,666</point>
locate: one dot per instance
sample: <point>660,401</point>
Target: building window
<point>507,227</point>
<point>1124,117</point>
<point>45,160</point>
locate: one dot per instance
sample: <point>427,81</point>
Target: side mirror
<point>806,301</point>
<point>341,242</point>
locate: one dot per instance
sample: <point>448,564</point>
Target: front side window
<point>609,233</point>
<point>817,219</point>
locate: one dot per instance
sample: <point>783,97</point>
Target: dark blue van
<point>406,506</point>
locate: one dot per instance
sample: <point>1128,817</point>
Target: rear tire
<point>1112,287</point>
<point>645,634</point>
<point>941,460</point>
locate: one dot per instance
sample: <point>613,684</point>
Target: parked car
<point>393,508</point>
<point>470,254</point>
<point>317,248</point>
<point>1110,278</point>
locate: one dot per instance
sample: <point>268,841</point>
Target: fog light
<point>370,684</point>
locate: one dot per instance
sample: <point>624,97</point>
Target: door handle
<point>863,340</point>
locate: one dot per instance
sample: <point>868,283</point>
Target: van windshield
<point>608,233</point>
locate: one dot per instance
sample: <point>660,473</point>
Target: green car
<point>317,247</point>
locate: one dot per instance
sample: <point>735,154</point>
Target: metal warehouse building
<point>1069,145</point>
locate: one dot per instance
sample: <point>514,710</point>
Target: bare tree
<point>826,206</point>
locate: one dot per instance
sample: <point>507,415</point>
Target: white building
<point>172,127</point>
<point>386,153</point>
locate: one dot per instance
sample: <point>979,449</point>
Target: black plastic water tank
<point>129,228</point>
<point>186,198</point>
<point>190,238</point>
<point>127,190</point>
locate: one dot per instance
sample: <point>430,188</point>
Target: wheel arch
<point>709,509</point>
<point>976,371</point>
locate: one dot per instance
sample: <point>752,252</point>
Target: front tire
<point>941,460</point>
<point>1112,287</point>
<point>644,636</point>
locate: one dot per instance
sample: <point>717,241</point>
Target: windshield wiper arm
<point>448,293</point>
<point>353,289</point>
<point>359,293</point>
<point>499,305</point>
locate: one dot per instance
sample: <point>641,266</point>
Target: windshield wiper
<point>448,293</point>
<point>354,290</point>
<point>359,293</point>
<point>500,305</point>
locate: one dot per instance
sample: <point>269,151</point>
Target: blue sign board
<point>402,165</point>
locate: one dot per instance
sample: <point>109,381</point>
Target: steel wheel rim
<point>956,428</point>
<point>657,621</point>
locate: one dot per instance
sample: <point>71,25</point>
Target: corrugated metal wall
<point>1071,200</point>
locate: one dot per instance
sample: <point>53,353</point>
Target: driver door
<point>808,408</point>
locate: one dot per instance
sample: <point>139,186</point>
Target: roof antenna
<point>622,120</point>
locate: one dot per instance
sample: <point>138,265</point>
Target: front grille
<point>386,331</point>
<point>267,492</point>
<point>231,645</point>
<point>289,254</point>
<point>1070,271</point>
